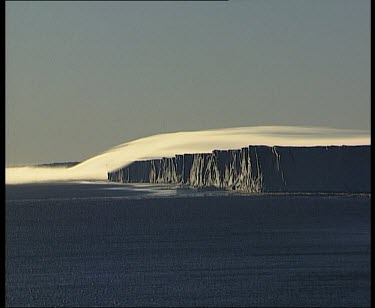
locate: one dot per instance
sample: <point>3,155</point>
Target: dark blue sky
<point>82,77</point>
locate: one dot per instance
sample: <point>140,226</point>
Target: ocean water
<point>114,245</point>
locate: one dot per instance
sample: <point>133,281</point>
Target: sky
<point>82,77</point>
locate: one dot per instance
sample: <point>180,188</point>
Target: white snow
<point>167,145</point>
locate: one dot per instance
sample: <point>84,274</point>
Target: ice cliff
<point>259,169</point>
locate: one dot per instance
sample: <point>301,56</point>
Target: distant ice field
<point>168,145</point>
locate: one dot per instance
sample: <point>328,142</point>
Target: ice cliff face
<point>260,169</point>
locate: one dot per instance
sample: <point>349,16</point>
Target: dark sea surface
<point>108,245</point>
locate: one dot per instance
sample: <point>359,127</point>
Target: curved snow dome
<point>168,145</point>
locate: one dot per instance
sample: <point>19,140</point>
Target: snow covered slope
<point>260,169</point>
<point>168,145</point>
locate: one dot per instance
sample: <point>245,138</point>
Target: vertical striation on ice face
<point>259,169</point>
